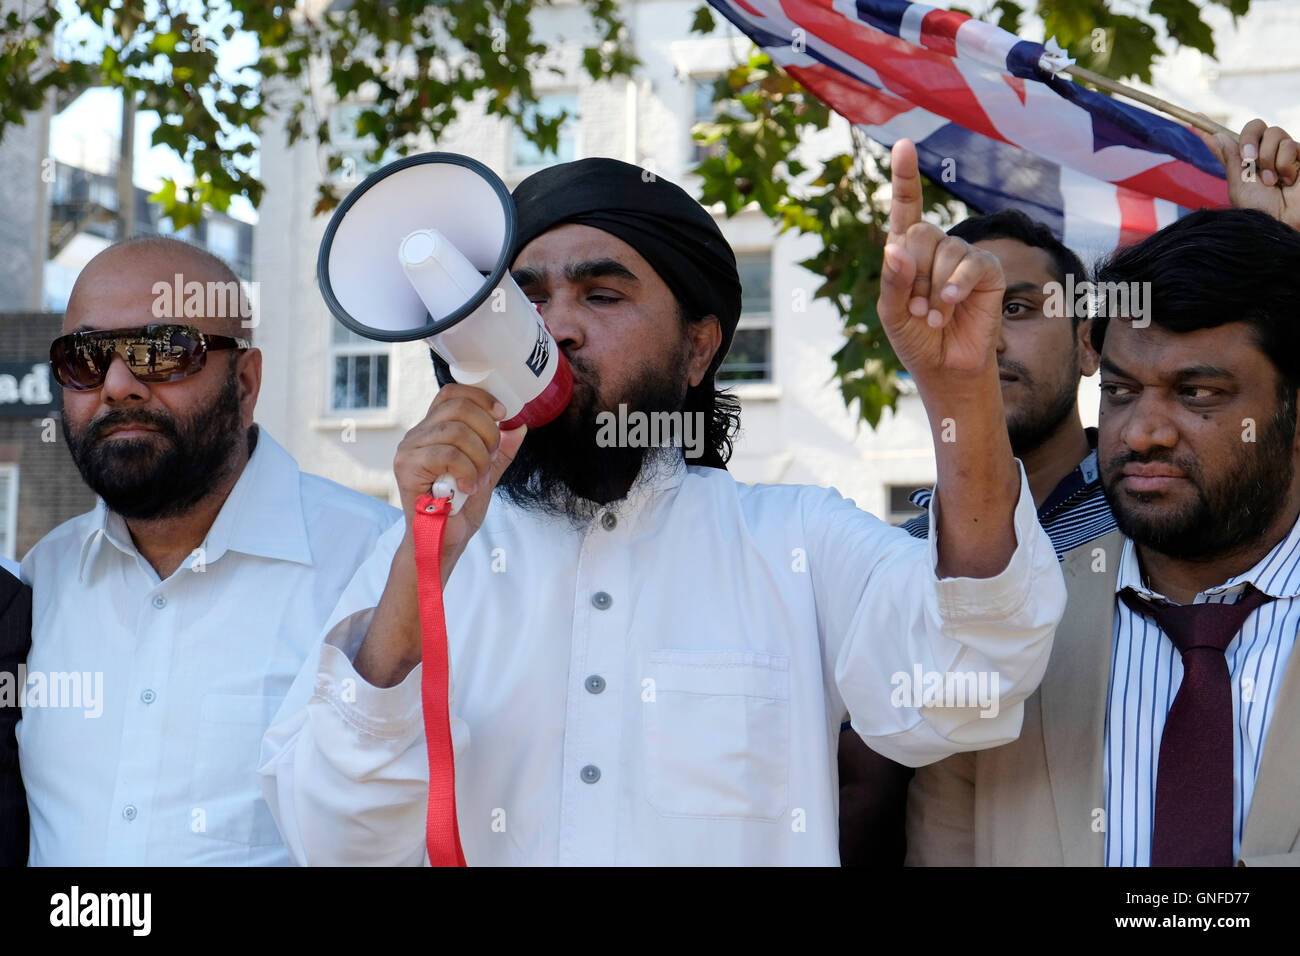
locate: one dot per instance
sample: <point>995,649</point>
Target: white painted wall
<point>796,431</point>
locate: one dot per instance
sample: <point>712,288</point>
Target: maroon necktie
<point>1193,814</point>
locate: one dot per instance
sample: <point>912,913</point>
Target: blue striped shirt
<point>1146,670</point>
<point>1074,513</point>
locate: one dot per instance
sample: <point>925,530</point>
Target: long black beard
<point>1225,516</point>
<point>561,471</point>
<point>146,479</point>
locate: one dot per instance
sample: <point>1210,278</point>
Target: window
<point>525,156</point>
<point>900,508</point>
<point>223,240</point>
<point>8,511</point>
<point>351,147</point>
<point>750,356</point>
<point>705,110</point>
<point>360,371</point>
<point>103,191</point>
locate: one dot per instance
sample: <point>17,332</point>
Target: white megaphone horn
<point>421,250</point>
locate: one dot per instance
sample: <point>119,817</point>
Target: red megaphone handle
<point>442,832</point>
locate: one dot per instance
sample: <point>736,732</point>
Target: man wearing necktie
<point>1167,729</point>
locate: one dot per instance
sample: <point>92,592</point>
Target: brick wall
<point>50,489</point>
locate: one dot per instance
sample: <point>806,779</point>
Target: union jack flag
<point>980,107</point>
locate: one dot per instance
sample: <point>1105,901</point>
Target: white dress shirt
<point>11,566</point>
<point>191,669</point>
<point>665,687</point>
<point>1147,670</point>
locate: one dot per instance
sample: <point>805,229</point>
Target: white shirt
<point>190,670</point>
<point>11,566</point>
<point>1147,670</point>
<point>665,687</point>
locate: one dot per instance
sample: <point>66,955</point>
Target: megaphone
<point>421,250</point>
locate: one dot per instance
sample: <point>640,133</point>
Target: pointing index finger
<point>905,202</point>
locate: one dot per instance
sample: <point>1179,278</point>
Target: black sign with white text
<point>27,390</point>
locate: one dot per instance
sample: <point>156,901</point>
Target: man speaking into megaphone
<point>650,660</point>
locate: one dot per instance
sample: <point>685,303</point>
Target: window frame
<point>9,512</point>
<point>698,152</point>
<point>572,125</point>
<point>756,320</point>
<point>346,144</point>
<point>363,348</point>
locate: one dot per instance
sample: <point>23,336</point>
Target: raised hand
<point>940,298</point>
<point>941,306</point>
<point>1263,169</point>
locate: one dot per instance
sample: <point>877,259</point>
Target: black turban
<point>658,219</point>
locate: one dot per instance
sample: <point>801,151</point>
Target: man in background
<point>1043,351</point>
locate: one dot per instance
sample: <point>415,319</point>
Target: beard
<point>1226,514</point>
<point>1040,417</point>
<point>562,471</point>
<point>145,479</point>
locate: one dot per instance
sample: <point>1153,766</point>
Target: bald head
<point>156,279</point>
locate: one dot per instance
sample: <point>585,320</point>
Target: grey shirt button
<point>590,773</point>
<point>159,601</point>
<point>148,696</point>
<point>128,811</point>
<point>601,601</point>
<point>595,684</point>
<point>609,521</point>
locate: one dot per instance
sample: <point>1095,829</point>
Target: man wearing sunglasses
<point>183,605</point>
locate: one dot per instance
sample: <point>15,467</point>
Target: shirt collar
<point>1277,574</point>
<point>663,477</point>
<point>1084,474</point>
<point>261,516</point>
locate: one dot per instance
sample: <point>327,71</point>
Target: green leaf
<point>1183,20</point>
<point>1009,15</point>
<point>165,196</point>
<point>164,43</point>
<point>703,21</point>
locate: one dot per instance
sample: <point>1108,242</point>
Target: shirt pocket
<point>717,734</point>
<point>226,792</point>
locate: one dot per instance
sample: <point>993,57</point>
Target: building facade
<point>341,404</point>
<point>40,487</point>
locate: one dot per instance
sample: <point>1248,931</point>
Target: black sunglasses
<point>153,353</point>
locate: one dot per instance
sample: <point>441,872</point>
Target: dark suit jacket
<point>15,641</point>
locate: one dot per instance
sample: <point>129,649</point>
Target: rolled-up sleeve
<point>344,767</point>
<point>930,666</point>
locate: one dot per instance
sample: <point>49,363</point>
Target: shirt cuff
<point>1004,594</point>
<point>389,712</point>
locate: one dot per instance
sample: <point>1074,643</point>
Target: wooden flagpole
<point>1169,109</point>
